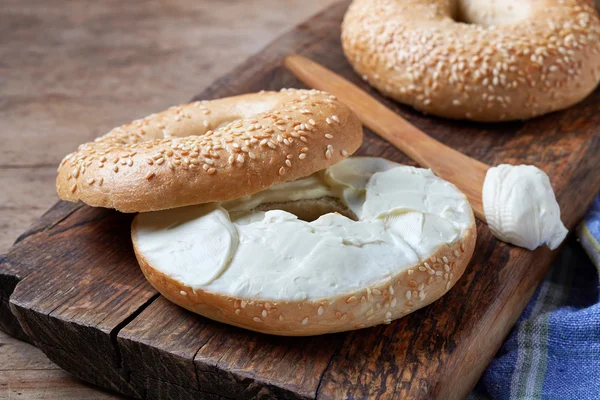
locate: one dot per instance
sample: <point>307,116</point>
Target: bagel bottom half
<point>361,243</point>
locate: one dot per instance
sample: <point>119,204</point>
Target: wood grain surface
<point>81,298</point>
<point>70,71</point>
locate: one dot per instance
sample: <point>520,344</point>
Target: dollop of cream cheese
<point>520,207</point>
<point>404,214</point>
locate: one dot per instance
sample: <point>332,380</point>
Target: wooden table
<point>70,71</point>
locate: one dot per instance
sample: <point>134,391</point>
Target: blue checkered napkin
<point>554,350</point>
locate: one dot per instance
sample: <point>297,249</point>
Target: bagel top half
<point>209,151</point>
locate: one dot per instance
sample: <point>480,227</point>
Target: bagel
<point>209,151</point>
<point>479,60</point>
<point>405,239</point>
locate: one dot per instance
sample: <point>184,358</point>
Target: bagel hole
<point>310,210</point>
<point>487,13</point>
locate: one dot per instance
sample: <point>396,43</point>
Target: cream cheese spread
<point>404,214</point>
<point>520,207</point>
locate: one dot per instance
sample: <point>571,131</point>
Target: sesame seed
<point>305,321</point>
<point>329,136</point>
<point>393,302</point>
<point>116,168</point>
<point>388,315</point>
<point>408,295</point>
<point>328,154</point>
<point>288,163</point>
<point>281,317</point>
<point>211,171</point>
<point>256,319</point>
<point>73,188</point>
<point>149,175</point>
<point>320,310</point>
<point>238,311</point>
<point>344,153</point>
<point>264,313</point>
<point>302,156</point>
<point>445,259</point>
<point>335,118</point>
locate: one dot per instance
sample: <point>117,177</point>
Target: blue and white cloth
<point>553,352</point>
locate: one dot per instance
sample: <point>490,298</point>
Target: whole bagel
<point>210,151</point>
<point>476,59</point>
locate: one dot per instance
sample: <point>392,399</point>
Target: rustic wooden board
<point>75,290</point>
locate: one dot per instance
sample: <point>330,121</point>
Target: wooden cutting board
<point>71,284</point>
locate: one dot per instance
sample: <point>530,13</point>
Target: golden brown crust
<point>414,52</point>
<point>211,151</point>
<point>393,298</point>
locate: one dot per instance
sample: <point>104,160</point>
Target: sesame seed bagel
<point>476,59</point>
<point>369,241</point>
<point>209,151</point>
